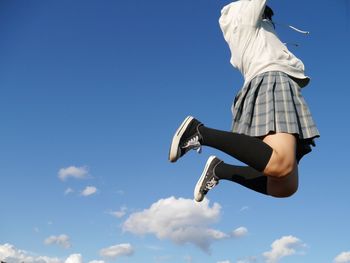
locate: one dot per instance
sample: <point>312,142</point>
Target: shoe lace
<point>193,143</point>
<point>211,184</point>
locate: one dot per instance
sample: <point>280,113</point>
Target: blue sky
<point>91,93</point>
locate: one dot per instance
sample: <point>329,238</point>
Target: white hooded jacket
<point>255,47</point>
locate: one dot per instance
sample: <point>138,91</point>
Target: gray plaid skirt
<point>272,103</point>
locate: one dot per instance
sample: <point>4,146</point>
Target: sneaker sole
<point>197,195</point>
<point>175,150</point>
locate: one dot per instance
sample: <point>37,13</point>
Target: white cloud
<point>74,258</point>
<point>117,251</point>
<point>225,261</point>
<point>179,220</point>
<point>61,240</point>
<point>10,254</point>
<point>43,259</point>
<point>343,257</point>
<point>285,246</point>
<point>120,213</point>
<point>89,190</point>
<point>68,191</point>
<point>240,232</point>
<point>73,171</point>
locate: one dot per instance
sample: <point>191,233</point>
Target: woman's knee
<point>280,166</point>
<point>283,187</point>
<point>282,161</point>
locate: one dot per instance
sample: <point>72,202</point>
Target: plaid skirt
<point>272,103</point>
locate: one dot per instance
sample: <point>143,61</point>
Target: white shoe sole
<point>198,196</point>
<point>175,150</point>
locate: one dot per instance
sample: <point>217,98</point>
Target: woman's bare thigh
<point>283,158</point>
<point>282,169</point>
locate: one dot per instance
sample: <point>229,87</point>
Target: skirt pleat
<point>272,103</point>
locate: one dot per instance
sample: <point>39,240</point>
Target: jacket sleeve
<point>253,12</point>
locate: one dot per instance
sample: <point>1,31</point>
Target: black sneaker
<point>187,137</point>
<point>208,179</point>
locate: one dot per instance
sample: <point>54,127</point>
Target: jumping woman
<point>272,126</point>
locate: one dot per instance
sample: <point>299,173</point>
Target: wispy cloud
<point>74,172</point>
<point>153,247</point>
<point>179,220</point>
<point>89,190</point>
<point>120,213</point>
<point>240,232</point>
<point>120,192</point>
<point>244,208</point>
<point>116,251</point>
<point>61,240</point>
<point>283,247</point>
<point>68,191</point>
<point>343,257</point>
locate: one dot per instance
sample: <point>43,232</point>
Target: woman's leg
<point>273,168</point>
<point>243,175</point>
<point>250,150</point>
<point>273,156</point>
<point>282,168</point>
